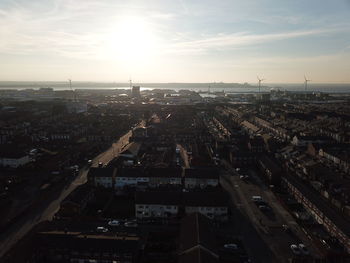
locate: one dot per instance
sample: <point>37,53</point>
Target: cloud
<point>241,39</point>
<point>77,29</point>
<point>74,29</point>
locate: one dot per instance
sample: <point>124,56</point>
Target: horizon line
<point>127,83</point>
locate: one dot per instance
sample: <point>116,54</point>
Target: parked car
<point>303,249</point>
<point>295,249</point>
<point>244,177</point>
<point>231,246</point>
<point>264,208</point>
<point>114,223</point>
<point>101,229</point>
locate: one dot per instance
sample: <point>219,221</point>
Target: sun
<point>130,40</point>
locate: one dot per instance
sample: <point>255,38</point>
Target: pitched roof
<point>198,255</point>
<point>210,199</point>
<point>133,149</point>
<point>160,198</point>
<point>210,173</point>
<point>218,199</point>
<point>87,242</point>
<point>197,243</point>
<point>131,172</point>
<point>318,201</point>
<point>151,172</point>
<point>165,172</point>
<point>101,172</point>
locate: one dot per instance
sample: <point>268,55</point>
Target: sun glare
<point>131,40</point>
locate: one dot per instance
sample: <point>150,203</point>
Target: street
<point>267,223</point>
<point>243,227</point>
<point>46,208</point>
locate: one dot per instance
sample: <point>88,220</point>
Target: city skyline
<point>175,41</point>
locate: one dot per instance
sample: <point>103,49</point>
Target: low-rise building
<point>130,177</point>
<point>256,144</point>
<point>76,201</point>
<point>165,176</point>
<point>299,140</point>
<point>76,247</point>
<point>139,177</point>
<point>157,204</point>
<point>161,204</point>
<point>335,224</point>
<point>197,240</point>
<point>102,177</point>
<point>201,177</point>
<point>213,205</point>
<point>13,159</point>
<point>242,158</point>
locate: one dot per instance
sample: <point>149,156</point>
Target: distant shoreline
<point>203,87</point>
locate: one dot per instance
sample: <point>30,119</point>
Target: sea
<point>198,87</point>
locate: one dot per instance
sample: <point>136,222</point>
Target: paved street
<point>47,208</point>
<point>267,224</point>
<point>242,226</point>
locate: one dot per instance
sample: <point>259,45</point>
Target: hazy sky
<point>175,40</point>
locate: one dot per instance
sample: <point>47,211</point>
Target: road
<point>242,226</point>
<point>267,224</point>
<point>47,208</point>
<point>184,155</point>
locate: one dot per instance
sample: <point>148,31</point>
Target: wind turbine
<point>70,86</point>
<point>259,82</point>
<point>305,82</point>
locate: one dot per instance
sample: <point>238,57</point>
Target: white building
<point>14,160</point>
<point>163,210</point>
<point>213,205</point>
<point>152,178</point>
<point>208,211</point>
<point>157,204</point>
<point>201,178</point>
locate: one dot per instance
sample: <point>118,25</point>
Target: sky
<point>175,40</point>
